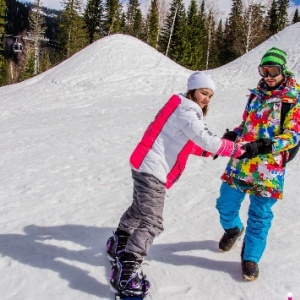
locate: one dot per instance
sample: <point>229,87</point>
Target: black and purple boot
<point>116,244</point>
<point>127,277</point>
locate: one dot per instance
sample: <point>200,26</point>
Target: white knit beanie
<point>200,80</point>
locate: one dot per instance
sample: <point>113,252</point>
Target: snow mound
<point>113,60</point>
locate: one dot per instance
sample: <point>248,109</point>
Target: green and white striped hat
<point>274,56</point>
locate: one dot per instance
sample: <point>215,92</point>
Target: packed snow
<point>65,141</point>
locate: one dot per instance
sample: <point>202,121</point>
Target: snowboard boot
<point>229,238</point>
<point>116,244</point>
<point>250,270</point>
<point>127,277</point>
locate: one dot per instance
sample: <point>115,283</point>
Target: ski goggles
<point>270,70</point>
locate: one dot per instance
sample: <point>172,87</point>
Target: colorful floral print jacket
<point>264,174</point>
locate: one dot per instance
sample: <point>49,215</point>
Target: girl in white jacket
<point>159,159</point>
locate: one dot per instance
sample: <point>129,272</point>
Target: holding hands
<point>252,149</point>
<point>228,135</point>
<point>243,150</point>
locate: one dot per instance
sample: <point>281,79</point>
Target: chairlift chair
<point>17,47</point>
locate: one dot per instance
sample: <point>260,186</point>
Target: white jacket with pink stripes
<point>177,131</point>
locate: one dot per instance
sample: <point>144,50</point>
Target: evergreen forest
<point>36,38</point>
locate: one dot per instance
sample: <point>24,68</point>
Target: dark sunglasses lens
<point>274,71</point>
<point>271,71</point>
<point>262,71</point>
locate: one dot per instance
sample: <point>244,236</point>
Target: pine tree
<point>277,17</point>
<point>2,16</point>
<point>282,16</point>
<point>137,29</point>
<point>234,35</point>
<point>72,32</point>
<point>296,17</point>
<point>123,22</point>
<point>17,17</point>
<point>171,38</point>
<point>45,59</point>
<point>29,68</point>
<point>225,54</point>
<point>113,20</point>
<point>218,45</point>
<point>152,24</point>
<point>3,62</point>
<point>203,35</point>
<point>194,43</point>
<point>179,41</point>
<point>254,30</point>
<point>93,17</point>
<point>133,17</point>
<point>210,39</point>
<point>271,20</point>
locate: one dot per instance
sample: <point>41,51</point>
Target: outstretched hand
<point>228,135</point>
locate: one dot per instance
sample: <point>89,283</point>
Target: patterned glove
<point>231,149</point>
<point>228,135</point>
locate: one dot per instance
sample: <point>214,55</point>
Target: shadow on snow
<point>34,248</point>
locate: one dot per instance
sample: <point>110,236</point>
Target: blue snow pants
<point>259,221</point>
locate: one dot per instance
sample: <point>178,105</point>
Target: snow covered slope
<point>65,139</point>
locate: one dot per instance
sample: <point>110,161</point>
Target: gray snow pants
<point>143,220</point>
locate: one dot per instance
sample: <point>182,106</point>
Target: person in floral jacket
<point>260,171</point>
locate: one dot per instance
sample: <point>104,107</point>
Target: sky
<point>54,4</point>
<point>65,140</point>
